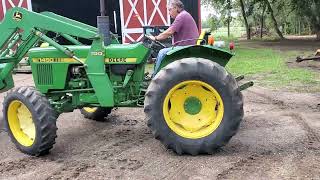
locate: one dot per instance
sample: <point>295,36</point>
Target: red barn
<point>8,4</point>
<point>138,13</point>
<point>126,16</point>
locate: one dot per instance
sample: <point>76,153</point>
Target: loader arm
<point>21,30</point>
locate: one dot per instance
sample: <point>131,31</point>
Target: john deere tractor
<point>192,105</point>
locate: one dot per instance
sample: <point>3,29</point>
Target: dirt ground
<point>279,138</point>
<point>292,43</point>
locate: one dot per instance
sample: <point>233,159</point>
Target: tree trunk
<point>317,30</point>
<point>245,20</point>
<point>274,20</point>
<point>299,27</point>
<point>229,27</point>
<point>262,20</point>
<point>229,16</point>
<point>318,35</point>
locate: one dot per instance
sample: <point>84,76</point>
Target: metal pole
<point>102,8</point>
<point>103,24</point>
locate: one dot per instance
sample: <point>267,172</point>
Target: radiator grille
<point>45,76</point>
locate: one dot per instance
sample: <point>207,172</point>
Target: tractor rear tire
<point>96,113</point>
<point>194,106</point>
<point>30,121</point>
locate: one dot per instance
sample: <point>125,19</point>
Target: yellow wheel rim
<point>90,110</point>
<point>193,109</point>
<point>21,124</point>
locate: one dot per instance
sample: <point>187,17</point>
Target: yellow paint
<point>55,60</point>
<point>21,123</point>
<point>193,126</point>
<point>121,60</point>
<point>71,60</point>
<point>201,37</point>
<point>90,110</point>
<point>44,45</point>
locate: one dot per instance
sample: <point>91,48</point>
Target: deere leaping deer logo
<point>17,16</point>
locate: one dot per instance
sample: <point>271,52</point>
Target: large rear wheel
<point>30,121</point>
<point>194,106</point>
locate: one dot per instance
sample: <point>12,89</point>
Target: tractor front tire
<point>95,113</point>
<point>30,121</point>
<point>193,106</point>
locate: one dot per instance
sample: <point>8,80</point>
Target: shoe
<point>147,78</point>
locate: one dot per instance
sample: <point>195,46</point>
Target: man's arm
<point>167,33</point>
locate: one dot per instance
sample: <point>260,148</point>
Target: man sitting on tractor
<point>184,30</point>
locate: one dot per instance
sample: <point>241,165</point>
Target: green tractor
<point>192,105</point>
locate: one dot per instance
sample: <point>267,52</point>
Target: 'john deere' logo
<point>17,16</point>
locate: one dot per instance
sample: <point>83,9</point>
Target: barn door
<point>138,13</point>
<point>8,4</point>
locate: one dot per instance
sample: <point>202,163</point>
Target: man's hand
<point>153,38</point>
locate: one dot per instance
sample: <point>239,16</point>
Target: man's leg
<point>161,55</point>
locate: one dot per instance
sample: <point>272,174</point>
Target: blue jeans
<point>161,55</point>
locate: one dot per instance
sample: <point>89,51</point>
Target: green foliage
<point>236,32</point>
<point>309,9</point>
<point>212,23</point>
<point>268,68</point>
<point>293,17</point>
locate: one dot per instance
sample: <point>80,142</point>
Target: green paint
<point>76,76</point>
<point>212,53</point>
<point>192,105</point>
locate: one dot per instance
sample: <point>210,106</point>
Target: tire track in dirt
<point>251,162</point>
<point>237,166</point>
<point>110,152</point>
<point>20,166</point>
<point>282,104</point>
<point>71,170</point>
<point>247,164</point>
<point>175,174</point>
<point>269,99</point>
<point>313,138</point>
<point>126,139</point>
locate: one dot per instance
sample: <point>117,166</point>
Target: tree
<point>244,15</point>
<point>310,9</point>
<point>284,16</point>
<point>275,23</point>
<point>212,22</point>
<point>224,7</point>
<point>264,6</point>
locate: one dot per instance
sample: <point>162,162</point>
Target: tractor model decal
<point>121,60</point>
<point>71,60</point>
<point>55,60</point>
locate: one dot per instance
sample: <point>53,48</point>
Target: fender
<point>220,56</point>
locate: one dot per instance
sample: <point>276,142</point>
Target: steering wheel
<point>154,42</point>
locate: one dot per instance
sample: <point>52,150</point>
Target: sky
<point>205,11</point>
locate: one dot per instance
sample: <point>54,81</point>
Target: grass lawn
<point>268,68</point>
<point>235,32</point>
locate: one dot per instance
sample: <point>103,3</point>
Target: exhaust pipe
<point>103,24</point>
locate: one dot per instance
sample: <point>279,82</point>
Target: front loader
<point>192,105</point>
